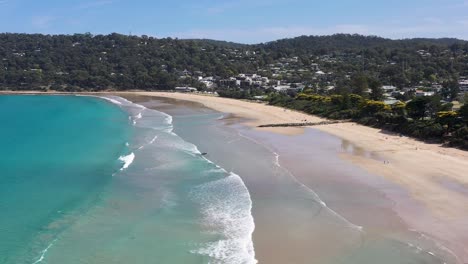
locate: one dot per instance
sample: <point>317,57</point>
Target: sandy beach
<point>436,177</point>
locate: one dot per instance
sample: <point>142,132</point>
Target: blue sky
<point>245,21</point>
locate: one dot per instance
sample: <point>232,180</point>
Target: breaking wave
<point>127,160</point>
<point>225,203</point>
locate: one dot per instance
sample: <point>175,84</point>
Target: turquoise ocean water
<point>89,180</point>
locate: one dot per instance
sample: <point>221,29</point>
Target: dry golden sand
<point>435,176</point>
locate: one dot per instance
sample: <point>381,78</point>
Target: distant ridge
<point>339,42</point>
<point>220,43</point>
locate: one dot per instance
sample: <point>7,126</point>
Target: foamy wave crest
<point>149,143</point>
<point>169,119</point>
<point>111,100</point>
<point>127,160</point>
<point>178,143</point>
<point>153,140</point>
<point>226,204</point>
<point>122,100</point>
<point>138,112</point>
<point>226,208</point>
<point>44,252</point>
<point>136,117</point>
<point>443,251</point>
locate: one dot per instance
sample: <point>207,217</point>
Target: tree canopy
<point>97,62</point>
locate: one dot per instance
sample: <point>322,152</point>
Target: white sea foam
<point>153,140</point>
<point>127,160</point>
<point>110,100</point>
<point>226,208</point>
<point>438,245</point>
<point>149,143</point>
<point>277,159</point>
<point>169,119</point>
<point>178,143</point>
<point>228,211</point>
<point>123,101</point>
<point>136,117</point>
<point>44,252</point>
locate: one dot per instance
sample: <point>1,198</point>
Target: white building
<point>389,88</point>
<point>319,73</point>
<point>280,88</point>
<point>208,84</point>
<point>185,89</point>
<point>420,93</point>
<point>463,85</point>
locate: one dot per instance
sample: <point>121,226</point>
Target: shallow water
<point>163,203</point>
<point>333,218</point>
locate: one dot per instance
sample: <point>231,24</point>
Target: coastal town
<point>292,75</point>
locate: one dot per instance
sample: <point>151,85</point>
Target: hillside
<point>84,61</point>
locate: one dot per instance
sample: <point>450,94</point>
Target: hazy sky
<point>246,21</point>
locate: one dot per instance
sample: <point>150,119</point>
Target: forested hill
<point>84,61</point>
<point>354,43</point>
<point>110,61</point>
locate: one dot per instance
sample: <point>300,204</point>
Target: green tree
<point>450,89</point>
<point>426,106</point>
<point>417,108</point>
<point>359,84</point>
<point>376,89</point>
<point>463,112</point>
<point>448,119</point>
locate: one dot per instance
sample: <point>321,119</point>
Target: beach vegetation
<point>463,112</point>
<point>425,118</point>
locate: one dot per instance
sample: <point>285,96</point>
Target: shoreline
<point>255,177</point>
<point>434,176</point>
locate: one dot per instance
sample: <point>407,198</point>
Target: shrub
<point>370,107</point>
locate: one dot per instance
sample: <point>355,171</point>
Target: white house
<point>420,93</point>
<point>319,73</point>
<point>389,88</point>
<point>185,89</point>
<point>208,84</point>
<point>280,88</point>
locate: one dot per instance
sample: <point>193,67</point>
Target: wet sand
<point>436,210</point>
<point>359,224</point>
